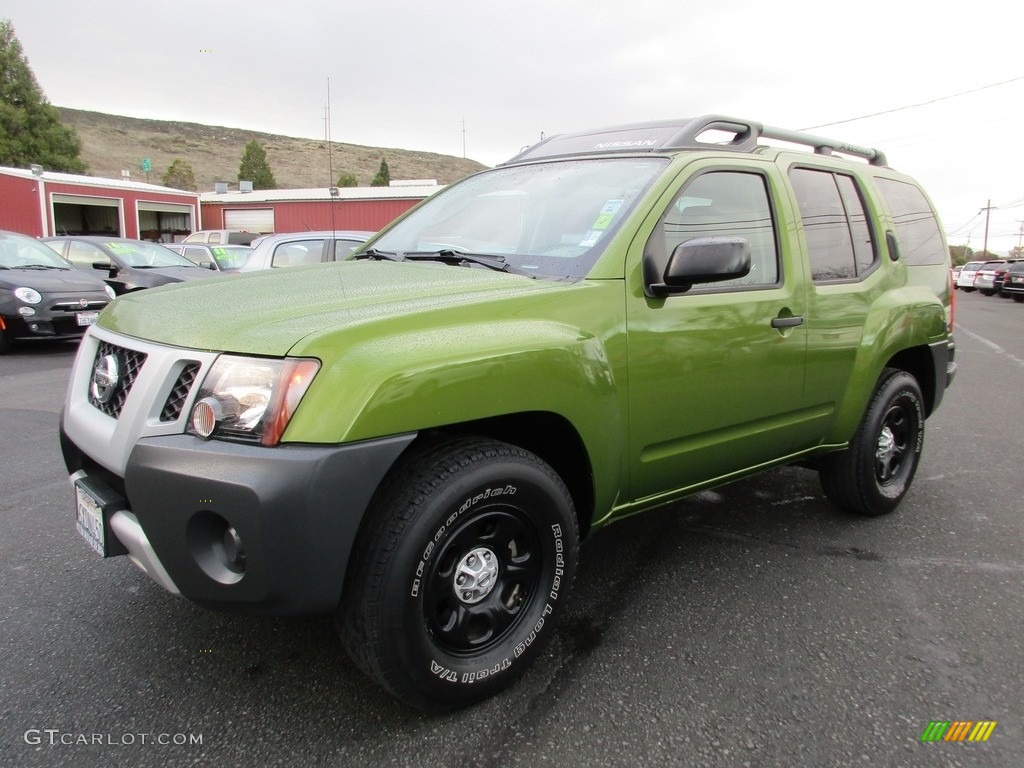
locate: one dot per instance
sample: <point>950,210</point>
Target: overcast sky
<point>944,82</point>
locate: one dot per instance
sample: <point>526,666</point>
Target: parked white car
<point>965,280</point>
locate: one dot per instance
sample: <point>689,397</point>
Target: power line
<point>913,106</point>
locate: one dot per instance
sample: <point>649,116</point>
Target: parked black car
<point>42,296</point>
<point>1013,281</point>
<point>130,265</point>
<point>1000,276</point>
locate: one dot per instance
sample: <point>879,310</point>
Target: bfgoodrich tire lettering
<point>461,573</point>
<point>875,472</point>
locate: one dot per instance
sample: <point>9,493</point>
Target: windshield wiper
<point>376,255</point>
<point>38,266</point>
<point>463,259</point>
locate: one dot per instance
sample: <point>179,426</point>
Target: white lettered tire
<point>461,571</point>
<point>875,472</point>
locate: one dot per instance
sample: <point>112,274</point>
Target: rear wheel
<point>461,573</point>
<point>875,472</point>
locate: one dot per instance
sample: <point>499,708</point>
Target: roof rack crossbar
<point>823,146</point>
<point>748,132</point>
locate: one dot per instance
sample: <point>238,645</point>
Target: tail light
<point>952,306</point>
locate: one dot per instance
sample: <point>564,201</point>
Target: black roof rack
<point>670,135</point>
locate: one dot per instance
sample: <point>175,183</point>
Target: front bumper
<point>191,506</point>
<point>48,322</point>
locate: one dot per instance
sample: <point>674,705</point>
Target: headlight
<point>110,291</point>
<point>28,295</point>
<point>251,398</point>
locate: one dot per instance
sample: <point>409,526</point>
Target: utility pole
<point>463,138</point>
<point>984,248</point>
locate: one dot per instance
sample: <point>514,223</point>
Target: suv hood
<point>268,313</point>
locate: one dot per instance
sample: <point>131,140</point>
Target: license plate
<point>87,318</point>
<point>89,520</point>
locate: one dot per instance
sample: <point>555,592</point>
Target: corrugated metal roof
<point>95,181</point>
<point>322,193</point>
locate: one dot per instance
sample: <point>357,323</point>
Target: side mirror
<point>704,260</point>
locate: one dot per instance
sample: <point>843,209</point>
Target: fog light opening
<point>217,547</point>
<point>234,553</point>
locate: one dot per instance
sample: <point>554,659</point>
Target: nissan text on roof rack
<point>417,439</point>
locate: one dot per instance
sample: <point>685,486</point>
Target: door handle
<point>787,322</point>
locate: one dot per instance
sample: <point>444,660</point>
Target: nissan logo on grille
<point>106,375</point>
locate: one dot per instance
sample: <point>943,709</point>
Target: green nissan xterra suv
<point>417,439</point>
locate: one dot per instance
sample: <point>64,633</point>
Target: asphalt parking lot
<point>750,626</point>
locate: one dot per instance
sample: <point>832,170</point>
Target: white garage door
<point>250,219</point>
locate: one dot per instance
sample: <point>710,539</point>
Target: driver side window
<point>85,254</point>
<point>719,204</point>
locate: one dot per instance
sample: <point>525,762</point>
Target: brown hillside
<point>111,143</point>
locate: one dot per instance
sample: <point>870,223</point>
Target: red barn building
<point>42,203</point>
<point>298,210</point>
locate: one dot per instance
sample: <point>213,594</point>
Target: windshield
<point>230,256</point>
<point>551,219</point>
<point>146,255</point>
<point>21,252</point>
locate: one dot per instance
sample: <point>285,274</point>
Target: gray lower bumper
<point>247,528</point>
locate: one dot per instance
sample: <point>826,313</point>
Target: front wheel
<point>461,573</point>
<point>875,472</point>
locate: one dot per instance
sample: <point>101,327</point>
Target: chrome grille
<point>129,364</point>
<point>179,392</point>
<point>77,306</point>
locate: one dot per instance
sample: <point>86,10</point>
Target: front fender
<point>519,355</point>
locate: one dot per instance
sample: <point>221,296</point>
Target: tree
<point>180,176</point>
<point>255,168</point>
<point>30,128</point>
<point>383,177</point>
<point>347,180</point>
<point>960,254</point>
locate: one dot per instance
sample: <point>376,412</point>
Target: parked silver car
<point>220,258</point>
<point>294,249</point>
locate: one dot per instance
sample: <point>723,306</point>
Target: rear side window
<point>298,253</point>
<point>840,245</point>
<point>917,229</point>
